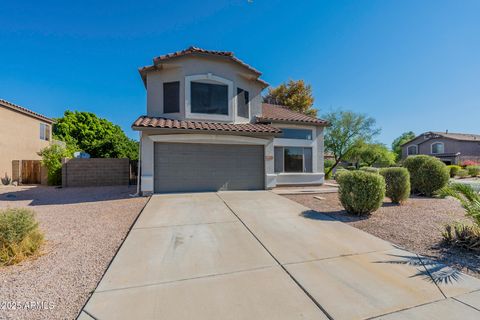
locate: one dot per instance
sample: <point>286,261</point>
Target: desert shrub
<point>462,235</point>
<point>453,170</point>
<point>468,197</point>
<point>52,160</point>
<point>361,192</point>
<point>328,173</point>
<point>339,172</point>
<point>351,168</point>
<point>370,169</point>
<point>465,236</point>
<point>473,170</point>
<point>397,181</point>
<point>328,163</point>
<point>427,174</point>
<point>462,173</point>
<point>20,236</point>
<point>6,180</point>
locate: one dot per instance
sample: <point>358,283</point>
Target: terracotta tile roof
<point>278,113</point>
<point>199,51</point>
<point>165,123</point>
<point>12,106</point>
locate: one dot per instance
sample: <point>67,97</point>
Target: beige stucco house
<point>23,133</point>
<point>206,129</point>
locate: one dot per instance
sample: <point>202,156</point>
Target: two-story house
<point>206,129</point>
<point>451,148</point>
<point>23,133</point>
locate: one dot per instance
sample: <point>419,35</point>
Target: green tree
<point>371,153</point>
<point>397,143</point>
<point>96,136</point>
<point>346,130</point>
<point>294,94</point>
<point>52,160</point>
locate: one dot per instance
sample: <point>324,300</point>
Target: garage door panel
<point>185,167</point>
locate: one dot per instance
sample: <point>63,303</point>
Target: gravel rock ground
<point>417,226</point>
<point>83,228</point>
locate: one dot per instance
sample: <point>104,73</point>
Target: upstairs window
<point>304,134</point>
<point>209,98</point>
<point>171,97</point>
<point>438,147</point>
<point>44,132</point>
<point>412,150</point>
<point>243,100</point>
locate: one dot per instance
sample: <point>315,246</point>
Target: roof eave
<point>305,123</point>
<point>207,131</point>
<point>27,112</point>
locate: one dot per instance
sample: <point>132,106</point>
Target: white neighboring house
<point>206,129</point>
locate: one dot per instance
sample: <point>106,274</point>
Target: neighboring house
<point>451,148</point>
<point>23,133</point>
<point>207,129</point>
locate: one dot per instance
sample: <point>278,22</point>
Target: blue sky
<point>412,65</point>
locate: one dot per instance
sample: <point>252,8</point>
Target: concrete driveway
<point>257,255</point>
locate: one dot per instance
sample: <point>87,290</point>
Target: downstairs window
<point>293,159</point>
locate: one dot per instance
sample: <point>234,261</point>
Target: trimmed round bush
<point>339,172</point>
<point>473,170</point>
<point>370,169</point>
<point>427,174</point>
<point>453,170</point>
<point>397,181</point>
<point>361,192</point>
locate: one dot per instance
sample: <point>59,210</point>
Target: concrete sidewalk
<point>257,255</point>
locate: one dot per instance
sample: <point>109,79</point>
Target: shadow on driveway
<point>43,195</point>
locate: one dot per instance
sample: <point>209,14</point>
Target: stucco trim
<point>203,116</point>
<point>209,139</point>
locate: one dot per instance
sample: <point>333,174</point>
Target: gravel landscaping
<point>417,225</point>
<point>83,229</point>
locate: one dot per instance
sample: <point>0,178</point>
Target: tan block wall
<point>19,139</point>
<point>95,172</point>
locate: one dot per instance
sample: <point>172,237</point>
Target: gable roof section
<point>199,52</point>
<point>276,113</point>
<point>447,135</point>
<point>25,111</point>
<point>145,122</point>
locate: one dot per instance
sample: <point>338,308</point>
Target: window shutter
<point>171,97</point>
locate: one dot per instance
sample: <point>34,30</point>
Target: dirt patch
<point>83,229</point>
<point>417,226</point>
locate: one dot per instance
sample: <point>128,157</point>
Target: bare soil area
<point>83,229</point>
<point>416,226</point>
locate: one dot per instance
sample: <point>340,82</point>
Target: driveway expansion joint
<point>468,305</point>
<point>185,225</point>
<point>404,309</point>
<point>430,275</point>
<point>212,275</point>
<point>319,306</point>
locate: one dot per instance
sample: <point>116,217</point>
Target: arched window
<point>438,147</point>
<point>412,150</point>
